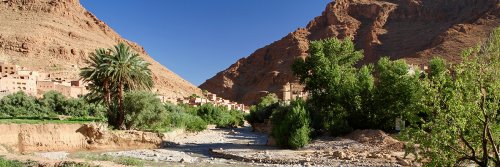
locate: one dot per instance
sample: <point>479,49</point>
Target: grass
<point>119,160</point>
<point>10,163</point>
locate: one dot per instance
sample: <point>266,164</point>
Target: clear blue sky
<point>197,39</point>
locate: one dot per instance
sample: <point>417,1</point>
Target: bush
<point>55,102</point>
<point>263,110</point>
<point>291,125</point>
<point>10,163</point>
<point>21,105</point>
<point>144,111</point>
<point>181,117</point>
<point>220,116</point>
<point>195,123</point>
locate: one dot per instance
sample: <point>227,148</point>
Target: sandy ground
<point>242,147</point>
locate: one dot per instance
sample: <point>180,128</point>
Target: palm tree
<point>113,72</point>
<point>129,72</point>
<point>96,75</point>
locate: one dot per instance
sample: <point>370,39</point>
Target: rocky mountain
<point>415,30</point>
<point>57,36</point>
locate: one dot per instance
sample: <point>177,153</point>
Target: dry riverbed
<point>242,147</point>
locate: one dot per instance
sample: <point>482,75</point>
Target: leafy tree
<point>398,91</point>
<point>21,105</point>
<point>263,109</point>
<point>143,111</point>
<point>53,101</point>
<point>113,72</point>
<point>463,107</point>
<point>184,117</point>
<point>291,125</point>
<point>330,78</point>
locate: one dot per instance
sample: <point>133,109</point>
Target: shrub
<point>19,104</point>
<point>181,117</point>
<point>263,110</point>
<point>291,125</point>
<point>143,110</point>
<point>10,163</point>
<point>195,123</point>
<point>220,116</point>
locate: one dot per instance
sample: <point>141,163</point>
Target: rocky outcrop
<point>415,30</point>
<point>57,36</point>
<point>26,138</point>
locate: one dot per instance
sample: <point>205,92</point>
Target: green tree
<point>20,104</point>
<point>263,109</point>
<point>291,125</point>
<point>398,91</point>
<point>143,110</point>
<point>330,78</point>
<point>115,71</point>
<point>97,75</point>
<point>463,105</point>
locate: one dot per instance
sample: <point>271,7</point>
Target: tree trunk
<point>107,103</point>
<point>121,112</point>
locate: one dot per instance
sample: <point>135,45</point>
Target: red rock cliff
<point>414,30</point>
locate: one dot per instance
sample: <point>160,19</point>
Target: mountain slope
<point>58,35</point>
<point>414,30</point>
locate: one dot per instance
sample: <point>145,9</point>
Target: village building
<point>18,79</point>
<point>14,78</point>
<point>292,92</point>
<point>214,100</point>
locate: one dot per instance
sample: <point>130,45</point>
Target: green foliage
<point>398,91</point>
<point>10,163</point>
<point>20,104</point>
<point>263,110</point>
<point>194,123</point>
<point>179,117</point>
<point>461,124</point>
<point>143,110</point>
<point>343,97</point>
<point>112,72</point>
<point>332,81</point>
<point>123,160</point>
<point>291,125</point>
<point>220,116</point>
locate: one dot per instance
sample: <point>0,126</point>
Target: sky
<point>198,39</point>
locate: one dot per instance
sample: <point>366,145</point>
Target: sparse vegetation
<point>10,163</point>
<point>129,161</point>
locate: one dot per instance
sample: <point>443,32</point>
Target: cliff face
<point>415,30</point>
<point>57,36</point>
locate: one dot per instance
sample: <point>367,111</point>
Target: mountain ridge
<point>57,36</point>
<point>414,30</point>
